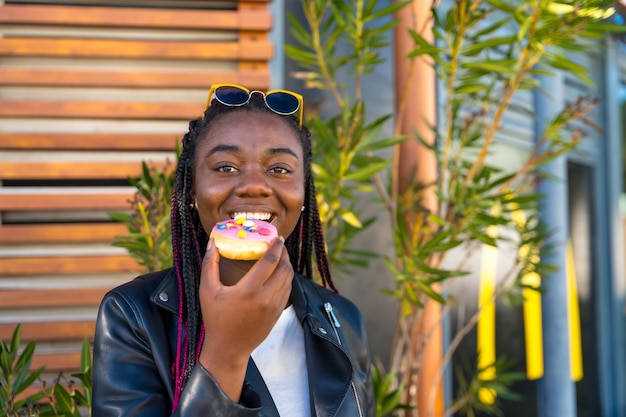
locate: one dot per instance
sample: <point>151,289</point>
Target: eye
<point>226,168</point>
<point>279,170</point>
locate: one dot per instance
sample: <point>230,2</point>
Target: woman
<point>216,337</point>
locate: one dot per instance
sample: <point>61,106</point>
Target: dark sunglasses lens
<point>282,103</point>
<point>231,95</point>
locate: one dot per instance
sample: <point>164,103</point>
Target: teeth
<point>255,216</point>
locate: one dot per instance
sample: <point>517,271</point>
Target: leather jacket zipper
<point>334,322</point>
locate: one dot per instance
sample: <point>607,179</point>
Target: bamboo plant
<point>485,52</point>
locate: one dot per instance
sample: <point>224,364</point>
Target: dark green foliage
<point>388,399</point>
<point>149,240</point>
<point>16,377</point>
<point>346,146</point>
<point>68,401</point>
<point>477,395</point>
<point>55,401</point>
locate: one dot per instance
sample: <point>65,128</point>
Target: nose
<point>253,183</point>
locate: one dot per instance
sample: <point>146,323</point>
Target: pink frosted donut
<point>243,239</point>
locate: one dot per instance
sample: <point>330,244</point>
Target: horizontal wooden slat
<point>15,170</point>
<point>100,110</point>
<point>46,331</point>
<point>255,78</point>
<point>90,141</point>
<point>51,297</point>
<point>61,233</point>
<point>104,48</point>
<point>136,17</point>
<point>66,265</point>
<point>67,201</point>
<point>68,363</point>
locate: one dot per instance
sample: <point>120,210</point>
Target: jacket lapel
<point>330,369</point>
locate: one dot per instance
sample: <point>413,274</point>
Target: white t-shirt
<point>281,360</point>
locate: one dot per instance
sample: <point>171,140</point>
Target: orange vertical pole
<point>416,109</point>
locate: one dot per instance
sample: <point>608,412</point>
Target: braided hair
<point>189,239</point>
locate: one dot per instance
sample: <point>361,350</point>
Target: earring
<point>302,209</point>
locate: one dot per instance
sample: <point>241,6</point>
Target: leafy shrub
<point>16,377</point>
<point>149,240</point>
<point>58,400</point>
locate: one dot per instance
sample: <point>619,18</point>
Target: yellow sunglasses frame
<point>265,94</point>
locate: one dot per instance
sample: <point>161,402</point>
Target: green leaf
<point>411,296</point>
<point>119,216</point>
<point>26,356</point>
<point>365,173</point>
<point>522,199</point>
<point>383,143</point>
<point>15,341</point>
<point>63,400</point>
<point>606,27</point>
<point>501,66</point>
<point>350,218</point>
<point>477,47</point>
<point>85,355</point>
<point>28,379</point>
<point>470,88</point>
<point>486,239</point>
<point>388,10</point>
<point>5,363</point>
<point>431,293</point>
<point>490,29</point>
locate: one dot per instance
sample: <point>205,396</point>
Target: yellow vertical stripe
<point>486,327</point>
<point>533,323</point>
<point>533,326</point>
<point>575,343</point>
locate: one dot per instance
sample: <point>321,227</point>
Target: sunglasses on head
<point>283,102</point>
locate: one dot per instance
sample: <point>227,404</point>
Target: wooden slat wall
<point>86,94</point>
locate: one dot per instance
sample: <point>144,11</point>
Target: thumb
<point>210,263</point>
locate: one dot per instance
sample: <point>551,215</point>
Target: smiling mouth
<point>268,217</point>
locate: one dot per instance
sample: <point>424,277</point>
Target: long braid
<point>176,366</point>
<point>321,256</point>
<point>185,253</point>
<point>191,278</point>
<point>189,239</point>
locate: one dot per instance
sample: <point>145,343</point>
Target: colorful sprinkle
<point>265,231</point>
<point>242,234</point>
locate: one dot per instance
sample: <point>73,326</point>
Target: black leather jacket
<point>135,347</point>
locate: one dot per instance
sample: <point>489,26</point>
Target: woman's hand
<point>238,318</point>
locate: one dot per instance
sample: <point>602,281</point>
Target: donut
<point>243,239</point>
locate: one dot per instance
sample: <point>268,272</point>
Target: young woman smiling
<point>218,337</point>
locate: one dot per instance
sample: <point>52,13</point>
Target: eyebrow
<point>234,148</point>
<point>222,148</point>
<point>278,151</point>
